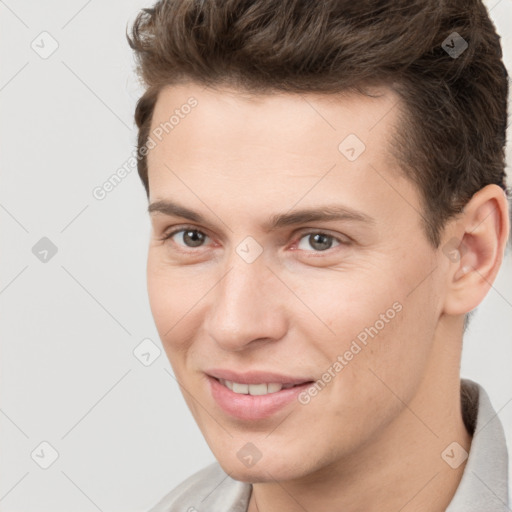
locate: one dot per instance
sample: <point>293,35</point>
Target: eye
<point>318,241</point>
<point>187,237</point>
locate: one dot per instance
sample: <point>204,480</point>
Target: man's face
<point>246,287</point>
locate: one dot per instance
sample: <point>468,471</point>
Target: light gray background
<point>69,326</point>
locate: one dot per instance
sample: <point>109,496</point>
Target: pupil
<point>193,238</point>
<point>320,242</point>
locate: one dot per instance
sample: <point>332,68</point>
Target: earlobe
<point>476,251</point>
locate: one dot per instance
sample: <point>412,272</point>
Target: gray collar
<point>484,483</point>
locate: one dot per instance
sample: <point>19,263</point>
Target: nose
<point>247,308</point>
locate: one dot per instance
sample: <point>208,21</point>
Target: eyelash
<point>341,241</point>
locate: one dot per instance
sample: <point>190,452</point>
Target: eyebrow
<point>303,216</point>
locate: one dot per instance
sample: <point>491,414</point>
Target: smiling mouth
<point>263,388</point>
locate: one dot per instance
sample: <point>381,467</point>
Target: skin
<point>372,439</point>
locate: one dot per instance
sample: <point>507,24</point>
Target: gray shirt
<point>483,487</point>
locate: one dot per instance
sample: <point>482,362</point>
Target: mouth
<point>259,399</point>
<point>260,389</point>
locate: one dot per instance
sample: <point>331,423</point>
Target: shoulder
<point>208,488</point>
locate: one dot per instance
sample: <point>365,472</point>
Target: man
<point>327,195</point>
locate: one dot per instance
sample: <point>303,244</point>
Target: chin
<point>262,471</point>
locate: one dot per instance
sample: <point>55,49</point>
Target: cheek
<point>160,293</point>
<point>379,329</point>
<point>380,352</point>
<point>350,306</point>
<point>171,297</point>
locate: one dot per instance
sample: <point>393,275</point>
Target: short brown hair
<point>444,60</point>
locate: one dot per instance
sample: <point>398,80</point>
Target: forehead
<point>219,114</point>
<point>273,148</point>
<point>194,121</point>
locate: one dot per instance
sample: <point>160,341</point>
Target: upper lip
<point>255,377</point>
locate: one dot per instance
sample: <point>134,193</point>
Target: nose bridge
<point>245,307</point>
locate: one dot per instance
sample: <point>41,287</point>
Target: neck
<point>403,469</point>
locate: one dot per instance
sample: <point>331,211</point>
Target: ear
<point>475,249</point>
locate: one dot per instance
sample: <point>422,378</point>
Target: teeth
<point>243,389</point>
<point>273,387</point>
<point>254,389</point>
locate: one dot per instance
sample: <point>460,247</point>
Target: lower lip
<point>252,408</point>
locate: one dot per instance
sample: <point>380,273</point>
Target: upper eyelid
<point>185,227</point>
